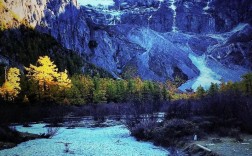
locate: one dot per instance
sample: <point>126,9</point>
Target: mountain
<point>21,45</point>
<point>195,41</point>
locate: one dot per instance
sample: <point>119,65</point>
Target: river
<point>84,141</point>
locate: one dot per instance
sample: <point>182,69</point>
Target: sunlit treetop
<point>46,73</point>
<point>63,80</point>
<point>11,86</point>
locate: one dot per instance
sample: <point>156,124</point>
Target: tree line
<point>43,82</point>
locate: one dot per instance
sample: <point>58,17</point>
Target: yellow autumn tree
<point>63,81</point>
<point>11,87</point>
<point>46,73</point>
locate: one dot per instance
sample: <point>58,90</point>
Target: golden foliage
<point>11,86</point>
<point>46,73</point>
<point>63,81</point>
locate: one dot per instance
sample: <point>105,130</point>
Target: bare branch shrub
<point>51,132</point>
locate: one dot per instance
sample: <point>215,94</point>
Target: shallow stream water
<point>114,140</point>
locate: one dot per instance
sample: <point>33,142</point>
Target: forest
<point>45,83</point>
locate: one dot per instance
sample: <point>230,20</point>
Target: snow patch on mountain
<point>96,3</point>
<point>206,77</point>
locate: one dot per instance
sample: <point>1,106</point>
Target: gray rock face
<point>228,14</point>
<point>200,44</point>
<point>65,22</point>
<point>161,58</point>
<point>236,48</point>
<point>60,18</point>
<point>206,16</point>
<point>153,18</point>
<point>194,16</point>
<point>32,11</point>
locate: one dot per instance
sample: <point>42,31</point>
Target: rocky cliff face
<point>197,16</point>
<point>60,18</point>
<point>155,39</point>
<point>65,22</point>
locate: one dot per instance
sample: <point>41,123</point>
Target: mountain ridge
<point>124,43</point>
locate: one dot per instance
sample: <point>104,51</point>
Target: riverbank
<point>223,146</point>
<point>195,136</point>
<point>10,138</point>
